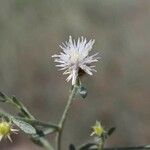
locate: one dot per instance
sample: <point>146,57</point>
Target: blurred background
<point>118,94</point>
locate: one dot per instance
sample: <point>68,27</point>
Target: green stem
<point>64,116</point>
<point>130,148</point>
<point>45,144</point>
<point>92,146</point>
<point>101,144</point>
<point>20,106</point>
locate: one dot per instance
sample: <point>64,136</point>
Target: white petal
<point>55,55</point>
<point>1,136</point>
<point>69,78</point>
<point>61,65</point>
<point>67,72</point>
<point>9,138</point>
<point>15,131</point>
<point>87,69</point>
<point>92,133</point>
<point>64,68</point>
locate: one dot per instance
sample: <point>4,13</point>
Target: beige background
<point>118,94</point>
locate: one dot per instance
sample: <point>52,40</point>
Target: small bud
<point>6,129</point>
<point>83,91</point>
<point>98,130</point>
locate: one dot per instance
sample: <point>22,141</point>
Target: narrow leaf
<point>88,146</point>
<point>42,142</point>
<point>23,110</point>
<point>46,128</point>
<point>111,131</point>
<point>2,97</point>
<point>72,147</point>
<point>24,126</point>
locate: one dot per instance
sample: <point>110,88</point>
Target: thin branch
<point>145,147</point>
<point>64,117</point>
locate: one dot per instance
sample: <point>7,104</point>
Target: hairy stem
<point>64,116</point>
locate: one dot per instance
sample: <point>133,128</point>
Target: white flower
<point>75,57</point>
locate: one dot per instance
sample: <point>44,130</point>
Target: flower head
<point>98,130</point>
<point>75,57</point>
<point>6,129</point>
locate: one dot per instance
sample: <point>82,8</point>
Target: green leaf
<point>45,127</point>
<point>72,147</point>
<point>16,101</point>
<point>41,127</point>
<point>88,146</point>
<point>49,130</point>
<point>3,97</point>
<point>83,91</point>
<point>41,141</point>
<point>111,131</point>
<point>24,126</point>
<point>36,140</point>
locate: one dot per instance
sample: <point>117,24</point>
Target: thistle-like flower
<point>75,58</point>
<point>6,130</point>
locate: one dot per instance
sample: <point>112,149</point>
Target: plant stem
<point>64,116</point>
<point>101,144</point>
<point>45,144</point>
<point>130,148</point>
<point>20,106</point>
